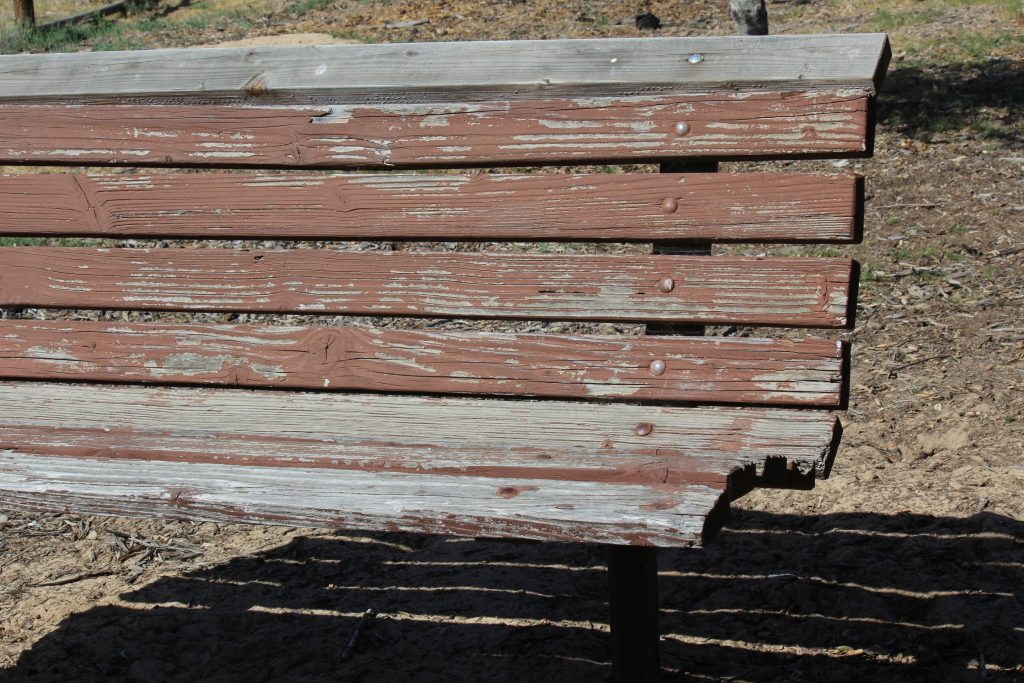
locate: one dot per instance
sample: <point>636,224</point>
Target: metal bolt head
<point>682,128</point>
<point>670,205</point>
<point>657,367</point>
<point>643,429</point>
<point>666,284</point>
<point>695,58</point>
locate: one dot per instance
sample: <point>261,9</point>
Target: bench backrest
<point>386,405</point>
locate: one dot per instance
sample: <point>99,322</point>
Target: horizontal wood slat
<point>550,510</point>
<point>800,292</point>
<point>528,469</point>
<point>762,124</point>
<point>753,207</point>
<point>399,433</point>
<point>412,72</point>
<point>720,370</point>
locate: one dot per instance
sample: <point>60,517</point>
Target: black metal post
<point>632,570</point>
<point>633,596</point>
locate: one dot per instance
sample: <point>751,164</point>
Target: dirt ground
<point>907,564</point>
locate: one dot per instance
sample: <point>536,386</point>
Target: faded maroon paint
<point>793,207</point>
<point>321,429</point>
<point>807,292</point>
<point>752,371</point>
<point>623,467</point>
<point>557,470</point>
<point>724,125</point>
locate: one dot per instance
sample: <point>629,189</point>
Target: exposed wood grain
<point>549,510</point>
<point>791,207</point>
<point>358,72</point>
<point>413,434</point>
<point>635,471</point>
<point>762,124</point>
<point>797,292</point>
<point>719,370</point>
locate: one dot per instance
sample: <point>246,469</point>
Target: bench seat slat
<point>413,433</point>
<point>535,467</point>
<point>800,292</point>
<point>402,72</point>
<point>717,370</point>
<point>550,510</point>
<point>762,124</point>
<point>749,207</point>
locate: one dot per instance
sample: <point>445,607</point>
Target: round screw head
<point>666,284</point>
<point>670,205</point>
<point>682,128</point>
<point>657,367</point>
<point>643,429</point>
<point>695,58</point>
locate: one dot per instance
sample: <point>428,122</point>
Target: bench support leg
<point>633,595</point>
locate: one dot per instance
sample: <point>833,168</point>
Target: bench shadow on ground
<point>832,598</point>
<point>922,101</point>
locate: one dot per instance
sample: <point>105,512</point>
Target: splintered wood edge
<point>448,70</point>
<point>290,429</point>
<point>565,511</point>
<point>114,450</point>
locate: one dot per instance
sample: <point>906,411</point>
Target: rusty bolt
<point>657,367</point>
<point>682,128</point>
<point>670,205</point>
<point>666,284</point>
<point>643,429</point>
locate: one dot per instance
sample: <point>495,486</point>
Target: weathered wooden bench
<point>163,403</point>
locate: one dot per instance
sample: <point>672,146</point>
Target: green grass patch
<point>967,47</point>
<point>890,20</point>
<point>64,39</point>
<point>143,28</point>
<point>869,272</point>
<point>306,6</point>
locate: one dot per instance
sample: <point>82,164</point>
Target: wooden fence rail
<point>25,13</point>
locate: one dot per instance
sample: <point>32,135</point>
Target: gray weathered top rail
<point>450,71</point>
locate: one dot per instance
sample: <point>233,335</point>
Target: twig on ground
<point>75,578</point>
<point>917,362</point>
<point>368,616</point>
<point>150,548</point>
<point>406,24</point>
<point>923,205</point>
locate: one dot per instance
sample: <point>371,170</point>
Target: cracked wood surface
<point>790,207</point>
<point>709,370</point>
<point>550,510</point>
<point>525,469</point>
<point>762,124</point>
<point>412,72</point>
<point>798,292</point>
<point>585,470</point>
